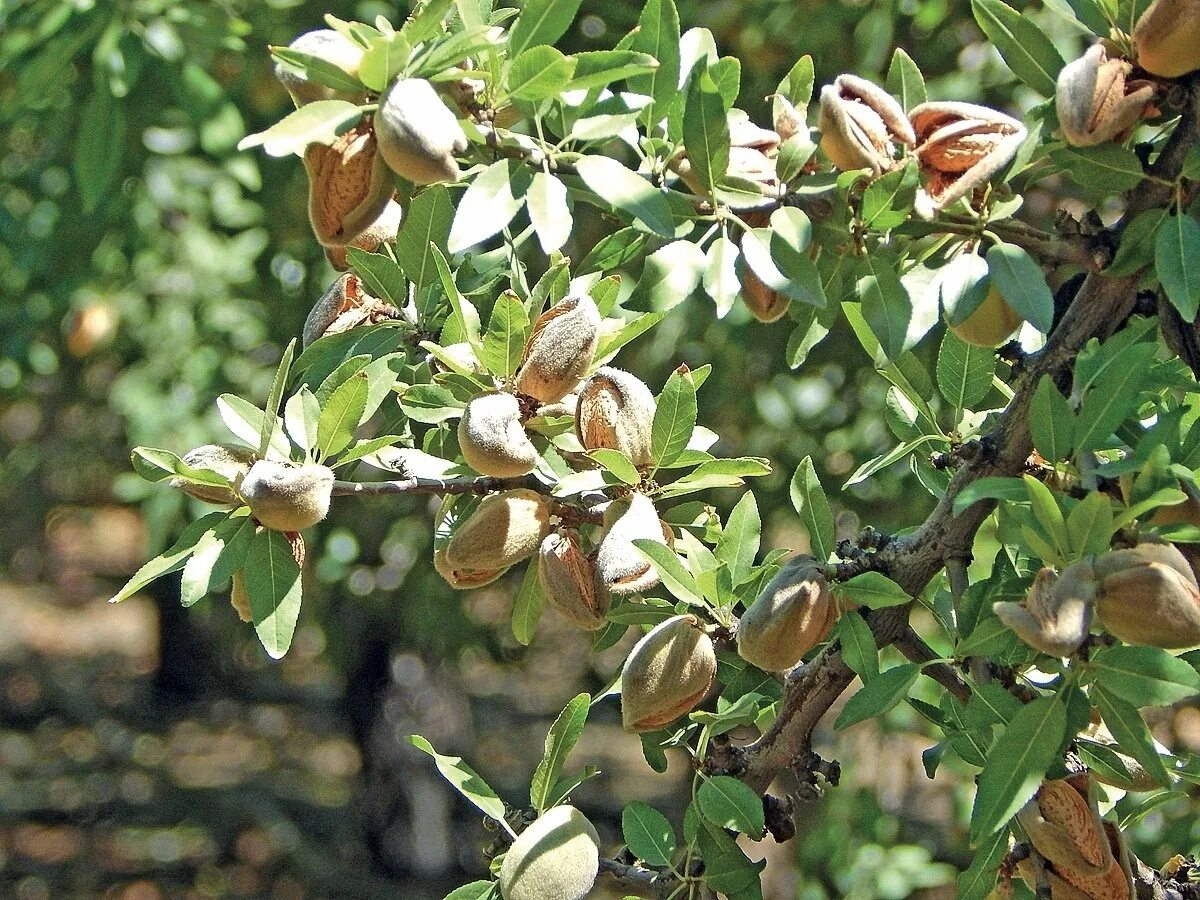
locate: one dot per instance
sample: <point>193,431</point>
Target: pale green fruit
<point>287,497</point>
<point>504,529</point>
<point>555,858</point>
<point>493,440</point>
<point>418,134</point>
<point>668,672</point>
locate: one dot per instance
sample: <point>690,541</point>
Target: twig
<point>916,650</point>
<point>466,485</point>
<point>631,874</point>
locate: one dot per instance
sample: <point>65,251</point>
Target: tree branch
<point>468,485</point>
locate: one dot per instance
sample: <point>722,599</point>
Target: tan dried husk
<point>794,613</point>
<point>615,410</point>
<point>287,497</point>
<point>861,125</point>
<point>1148,596</point>
<point>559,350</point>
<point>568,581</point>
<point>382,231</point>
<point>463,579</point>
<point>667,674</point>
<point>751,156</point>
<point>345,305</point>
<point>1056,614</point>
<point>230,461</point>
<point>1085,855</point>
<point>1097,101</point>
<point>493,440</point>
<point>1167,38</point>
<point>348,186</point>
<point>419,136</point>
<point>960,146</point>
<point>503,530</point>
<point>621,567</point>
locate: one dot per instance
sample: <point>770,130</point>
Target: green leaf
<point>383,277</point>
<point>874,590</point>
<point>728,803</point>
<point>99,146</point>
<point>1022,44</point>
<point>859,649</point>
<point>963,287</point>
<point>674,419</point>
<point>489,204</point>
<point>904,80</point>
<point>1137,244</point>
<point>319,122</point>
<point>977,881</point>
<point>275,397</point>
<point>549,211</point>
<point>539,73</point>
<point>888,200</point>
<point>990,488</point>
<point>463,779</point>
<point>727,870</point>
<point>172,560</point>
<point>560,739</point>
<point>1020,281</point>
<point>504,343</point>
<point>1048,513</point>
<point>476,890</point>
<point>618,464</point>
<point>1090,525</point>
<point>341,414</point>
<point>245,422</point>
<point>316,68</point>
<point>886,306</point>
<point>383,61</point>
<point>1125,724</point>
<point>808,497</point>
<point>1107,168</point>
<point>599,68</point>
<point>426,221</point>
<point>878,695</point>
<point>528,606</point>
<point>613,251</point>
<point>627,191</point>
<point>465,317</point>
<point>217,555</point>
<point>740,537</point>
<point>796,87</point>
<point>648,834</point>
<point>658,36</point>
<point>1016,765</point>
<point>272,580</point>
<point>1112,397</point>
<point>675,577</point>
<point>706,132</point>
<point>1052,422</point>
<point>1176,249</point>
<point>1144,676</point>
<point>541,22</point>
<point>964,371</point>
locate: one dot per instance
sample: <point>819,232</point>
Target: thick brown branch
<point>916,650</point>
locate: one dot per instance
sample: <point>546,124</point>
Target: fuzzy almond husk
<point>493,440</point>
<point>668,672</point>
<point>382,231</point>
<point>861,124</point>
<point>765,304</point>
<point>992,323</point>
<point>287,497</point>
<point>620,566</point>
<point>555,858</point>
<point>1148,596</point>
<point>793,614</point>
<point>348,186</point>
<point>418,134</point>
<point>559,350</point>
<point>568,580</point>
<point>960,146</point>
<point>230,461</point>
<point>345,305</point>
<point>616,410</point>
<point>1057,612</point>
<point>239,599</point>
<point>504,529</point>
<point>1096,99</point>
<point>463,579</point>
<point>331,46</point>
<point>1167,38</point>
<point>1085,855</point>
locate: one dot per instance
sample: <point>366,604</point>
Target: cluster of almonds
<point>1146,595</point>
<point>413,134</point>
<point>282,496</point>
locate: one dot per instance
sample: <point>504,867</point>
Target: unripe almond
<point>504,529</point>
<point>230,461</point>
<point>349,186</point>
<point>793,614</point>
<point>568,580</point>
<point>329,45</point>
<point>992,323</point>
<point>1167,37</point>
<point>492,439</point>
<point>620,566</point>
<point>287,497</point>
<point>765,304</point>
<point>463,579</point>
<point>668,672</point>
<point>555,858</point>
<point>418,134</point>
<point>616,410</point>
<point>343,306</point>
<point>560,349</point>
<point>1148,596</point>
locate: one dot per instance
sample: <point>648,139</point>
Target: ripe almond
<point>559,350</point>
<point>616,410</point>
<point>793,614</point>
<point>504,529</point>
<point>493,440</point>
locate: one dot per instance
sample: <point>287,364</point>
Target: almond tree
<point>450,160</point>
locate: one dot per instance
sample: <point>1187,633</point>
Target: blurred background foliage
<point>147,266</point>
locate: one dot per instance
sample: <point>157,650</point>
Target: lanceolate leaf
<point>273,586</point>
<point>674,419</point>
<point>808,497</point>
<point>1024,46</point>
<point>1176,249</point>
<point>561,738</point>
<point>463,778</point>
<point>658,36</point>
<point>878,695</point>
